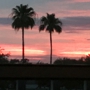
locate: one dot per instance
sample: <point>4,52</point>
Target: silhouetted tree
<point>4,57</point>
<point>51,24</point>
<point>25,61</point>
<point>81,60</point>
<point>23,18</point>
<point>87,59</point>
<point>41,63</point>
<point>68,61</point>
<point>14,61</point>
<point>58,61</point>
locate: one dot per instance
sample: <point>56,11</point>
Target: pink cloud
<point>72,13</point>
<point>17,50</point>
<point>81,0</point>
<point>5,12</point>
<point>60,13</point>
<point>63,8</point>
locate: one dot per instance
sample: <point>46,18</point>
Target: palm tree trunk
<point>22,43</point>
<point>51,48</point>
<point>51,84</point>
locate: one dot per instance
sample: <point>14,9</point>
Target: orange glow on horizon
<point>75,53</point>
<point>16,50</point>
<point>31,52</point>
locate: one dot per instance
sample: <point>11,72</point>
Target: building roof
<point>44,71</point>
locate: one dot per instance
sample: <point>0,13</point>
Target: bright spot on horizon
<point>77,53</point>
<point>31,52</point>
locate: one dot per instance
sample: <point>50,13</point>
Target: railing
<point>23,71</point>
<point>19,71</point>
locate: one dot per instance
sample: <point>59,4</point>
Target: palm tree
<point>23,18</point>
<point>51,24</point>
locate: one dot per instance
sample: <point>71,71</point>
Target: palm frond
<point>17,24</point>
<point>50,29</point>
<point>32,14</point>
<point>23,17</point>
<point>51,23</point>
<point>52,16</point>
<point>14,17</point>
<point>31,22</point>
<point>48,15</point>
<point>41,27</point>
<point>15,11</point>
<point>57,28</point>
<point>43,19</point>
<point>25,6</point>
<point>19,8</point>
<point>30,9</point>
<point>57,21</point>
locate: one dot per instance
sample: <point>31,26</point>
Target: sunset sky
<point>73,42</point>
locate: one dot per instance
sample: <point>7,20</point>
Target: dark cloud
<point>69,23</point>
<point>72,32</point>
<point>41,58</point>
<point>5,21</point>
<point>76,23</point>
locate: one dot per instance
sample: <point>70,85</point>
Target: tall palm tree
<point>51,24</point>
<point>23,18</point>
